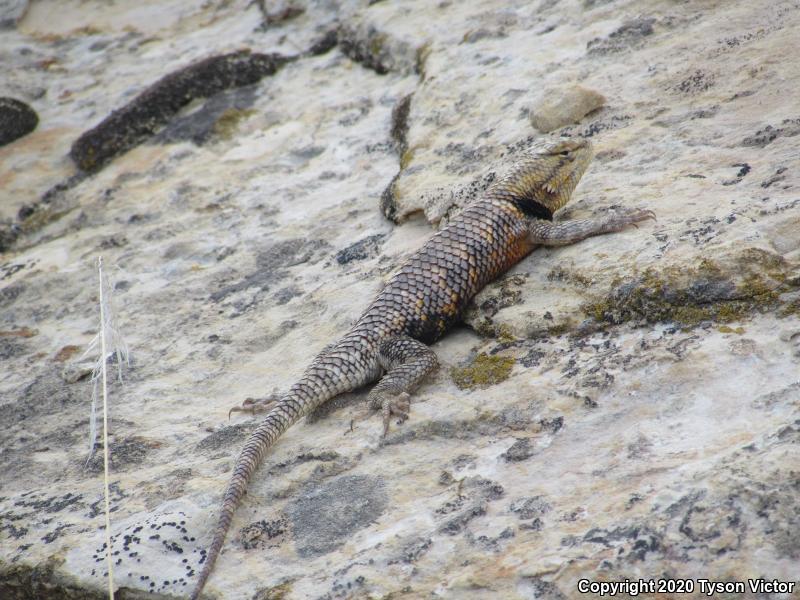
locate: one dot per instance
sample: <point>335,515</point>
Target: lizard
<point>425,298</point>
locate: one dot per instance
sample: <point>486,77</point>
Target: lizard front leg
<point>545,233</point>
<point>406,362</point>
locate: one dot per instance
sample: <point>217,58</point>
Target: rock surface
<point>628,407</point>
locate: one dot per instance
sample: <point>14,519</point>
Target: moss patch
<point>753,283</point>
<point>484,371</point>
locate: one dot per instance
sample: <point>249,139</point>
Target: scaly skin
<point>425,298</point>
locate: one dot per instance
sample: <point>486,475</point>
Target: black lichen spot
<point>16,120</point>
<point>264,534</point>
<point>127,127</point>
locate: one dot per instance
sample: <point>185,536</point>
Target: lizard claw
<point>619,220</point>
<point>255,405</point>
<point>398,405</point>
<point>390,405</point>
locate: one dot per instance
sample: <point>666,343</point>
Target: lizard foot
<point>390,405</point>
<point>620,219</point>
<point>255,405</point>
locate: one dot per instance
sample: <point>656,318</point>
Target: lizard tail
<point>253,452</point>
<point>305,396</point>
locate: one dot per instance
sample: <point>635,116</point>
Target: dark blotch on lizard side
<point>323,518</point>
<point>129,126</point>
<point>16,120</point>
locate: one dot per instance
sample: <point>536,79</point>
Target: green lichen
<point>406,158</point>
<point>376,44</point>
<point>422,54</point>
<point>693,295</point>
<point>228,123</point>
<point>484,371</point>
<point>503,334</point>
<point>728,329</point>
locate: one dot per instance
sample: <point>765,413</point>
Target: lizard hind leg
<point>406,361</point>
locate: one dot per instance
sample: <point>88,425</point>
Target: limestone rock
<point>564,106</point>
<point>631,402</point>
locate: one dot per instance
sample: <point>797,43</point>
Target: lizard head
<point>548,172</point>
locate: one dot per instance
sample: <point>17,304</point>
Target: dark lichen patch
<point>697,82</point>
<point>471,502</point>
<point>767,135</point>
<point>361,249</point>
<point>628,35</point>
<point>559,273</point>
<point>369,50</point>
<point>413,551</point>
<point>530,507</point>
<point>225,436</point>
<point>17,119</point>
<point>388,204</point>
<point>324,44</point>
<point>126,453</point>
<point>520,450</point>
<point>484,371</point>
<point>706,292</point>
<point>264,534</point>
<point>348,504</point>
<point>399,129</point>
<point>144,115</point>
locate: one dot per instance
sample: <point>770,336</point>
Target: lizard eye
<point>564,153</point>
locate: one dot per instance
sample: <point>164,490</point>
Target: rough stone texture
<point>648,425</point>
<point>564,106</point>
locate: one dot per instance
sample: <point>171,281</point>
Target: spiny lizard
<point>426,297</point>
